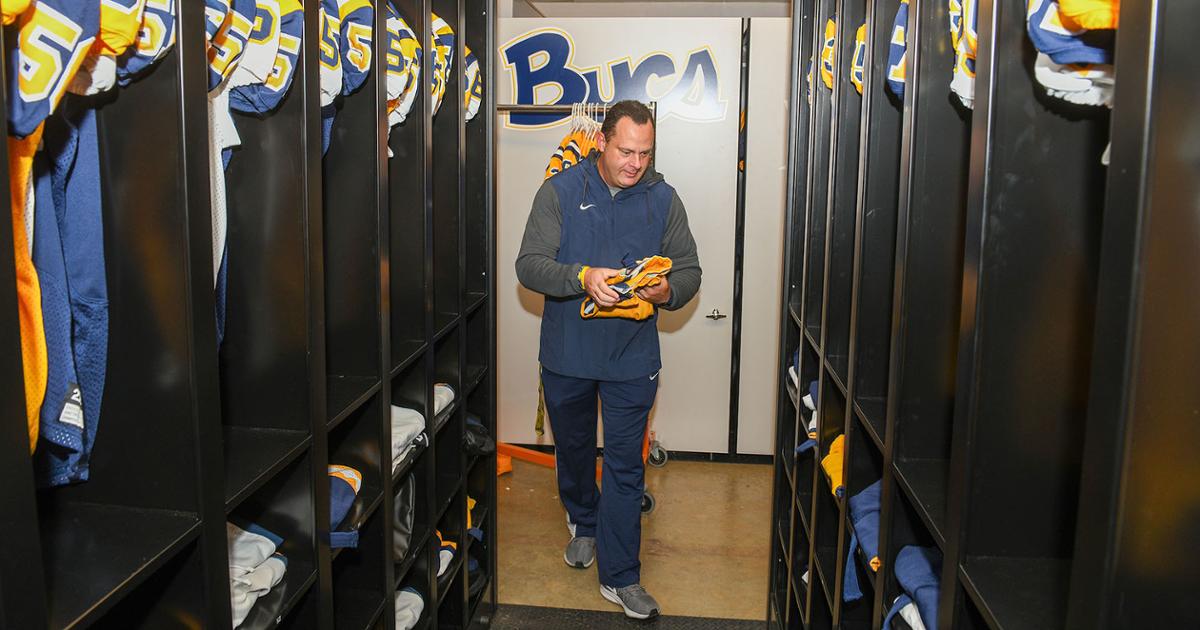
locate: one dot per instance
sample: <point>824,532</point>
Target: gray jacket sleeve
<point>679,245</point>
<point>537,265</point>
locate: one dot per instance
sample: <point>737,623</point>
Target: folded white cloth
<point>245,590</point>
<point>445,557</point>
<point>1082,84</point>
<point>912,616</point>
<point>399,457</point>
<point>254,568</point>
<point>409,606</point>
<point>247,550</point>
<point>443,395</point>
<point>407,424</point>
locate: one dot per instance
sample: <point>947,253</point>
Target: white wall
<point>766,182</point>
<point>662,9</point>
<point>699,159</point>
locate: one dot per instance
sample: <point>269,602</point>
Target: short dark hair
<point>633,110</point>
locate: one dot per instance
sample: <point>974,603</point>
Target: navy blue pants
<point>613,517</point>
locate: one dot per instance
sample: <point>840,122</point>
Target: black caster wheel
<point>657,457</point>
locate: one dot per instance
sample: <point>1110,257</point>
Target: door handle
<point>716,315</point>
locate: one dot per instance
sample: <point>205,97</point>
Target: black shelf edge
<point>795,315</point>
<point>789,466</point>
<point>870,411</point>
<point>926,490</point>
<point>793,393</point>
<point>1018,592</point>
<point>804,515</point>
<point>375,501</point>
<point>259,617</point>
<point>476,522</point>
<point>452,572</point>
<point>445,505</point>
<point>476,460</point>
<point>440,420</point>
<point>869,430</point>
<point>783,541</point>
<point>414,550</point>
<point>797,596</point>
<point>837,379</point>
<point>812,339</point>
<point>418,348</point>
<point>473,606</point>
<point>356,608</point>
<point>475,300</point>
<point>254,455</point>
<point>406,464</point>
<point>378,614</point>
<point>92,562</point>
<point>814,567</point>
<point>474,377</point>
<point>445,328</point>
<point>346,394</point>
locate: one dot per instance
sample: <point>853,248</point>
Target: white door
<point>691,68</point>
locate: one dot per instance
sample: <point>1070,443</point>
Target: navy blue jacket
<point>603,230</point>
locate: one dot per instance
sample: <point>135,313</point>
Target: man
<point>587,222</point>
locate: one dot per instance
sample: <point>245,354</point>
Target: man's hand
<point>657,293</point>
<point>594,283</point>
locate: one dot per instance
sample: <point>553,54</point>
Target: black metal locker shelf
<point>962,289</point>
<point>354,282</point>
<point>254,456</point>
<point>346,394</point>
<point>91,535</point>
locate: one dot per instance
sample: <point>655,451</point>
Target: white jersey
<point>261,47</point>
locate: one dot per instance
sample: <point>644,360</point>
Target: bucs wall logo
<point>540,65</point>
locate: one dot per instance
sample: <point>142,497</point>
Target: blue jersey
<point>473,92</point>
<point>859,57</point>
<point>898,51</point>
<point>69,256</point>
<point>155,38</point>
<point>329,55</point>
<point>1064,45</point>
<point>214,16</point>
<point>266,96</point>
<point>228,45</point>
<point>443,59</point>
<point>355,29</point>
<point>53,38</point>
<point>403,67</point>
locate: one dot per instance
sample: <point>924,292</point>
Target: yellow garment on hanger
<point>647,272</point>
<point>1090,14</point>
<point>833,465</point>
<point>29,292</point>
<point>572,150</point>
<point>829,52</point>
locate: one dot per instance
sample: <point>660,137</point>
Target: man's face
<point>625,156</point>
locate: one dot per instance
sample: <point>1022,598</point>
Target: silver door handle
<point>716,314</point>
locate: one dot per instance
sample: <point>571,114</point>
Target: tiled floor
<point>704,549</point>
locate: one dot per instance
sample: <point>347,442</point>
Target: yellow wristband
<point>582,272</point>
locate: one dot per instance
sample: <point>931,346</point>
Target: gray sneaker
<point>638,604</point>
<point>581,552</point>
